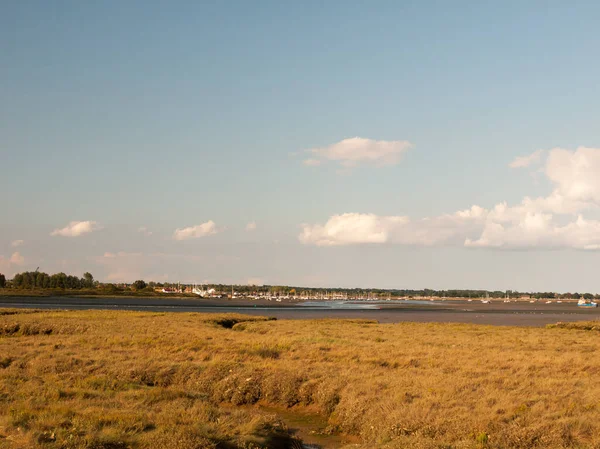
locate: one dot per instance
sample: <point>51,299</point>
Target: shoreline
<point>456,311</point>
<point>41,293</point>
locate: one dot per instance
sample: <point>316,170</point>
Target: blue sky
<point>168,115</point>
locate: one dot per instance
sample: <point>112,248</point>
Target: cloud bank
<point>551,222</point>
<point>76,229</point>
<point>16,243</point>
<point>356,151</point>
<point>194,232</point>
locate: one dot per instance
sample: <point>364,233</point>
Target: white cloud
<point>348,229</point>
<point>448,229</point>
<point>555,221</point>
<point>576,174</point>
<point>76,228</point>
<point>251,226</point>
<point>352,228</point>
<point>144,230</point>
<point>194,232</point>
<point>9,266</point>
<point>357,150</point>
<point>17,258</point>
<point>526,161</point>
<point>16,243</point>
<point>540,231</point>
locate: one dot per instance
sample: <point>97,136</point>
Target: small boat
<point>586,303</point>
<point>203,292</point>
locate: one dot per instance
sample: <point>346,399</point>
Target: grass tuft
<point>577,325</point>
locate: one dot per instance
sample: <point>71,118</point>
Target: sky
<point>413,144</point>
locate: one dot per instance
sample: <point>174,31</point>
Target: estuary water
<point>496,313</point>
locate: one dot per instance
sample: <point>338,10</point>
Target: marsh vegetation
<point>99,379</point>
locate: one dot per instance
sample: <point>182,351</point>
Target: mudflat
<point>457,311</point>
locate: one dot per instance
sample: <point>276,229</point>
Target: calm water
<point>514,314</point>
<point>364,304</point>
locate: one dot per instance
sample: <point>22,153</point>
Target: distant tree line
<point>38,279</point>
<point>411,293</point>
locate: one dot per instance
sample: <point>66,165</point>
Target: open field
<point>109,380</point>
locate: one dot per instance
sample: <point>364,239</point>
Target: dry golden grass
<point>105,380</point>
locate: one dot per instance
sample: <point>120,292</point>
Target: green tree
<point>88,280</point>
<point>111,288</point>
<point>2,281</point>
<point>58,280</point>
<point>139,285</point>
<point>18,280</point>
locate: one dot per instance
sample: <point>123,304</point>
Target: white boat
<point>586,303</point>
<point>199,292</point>
<point>202,292</point>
